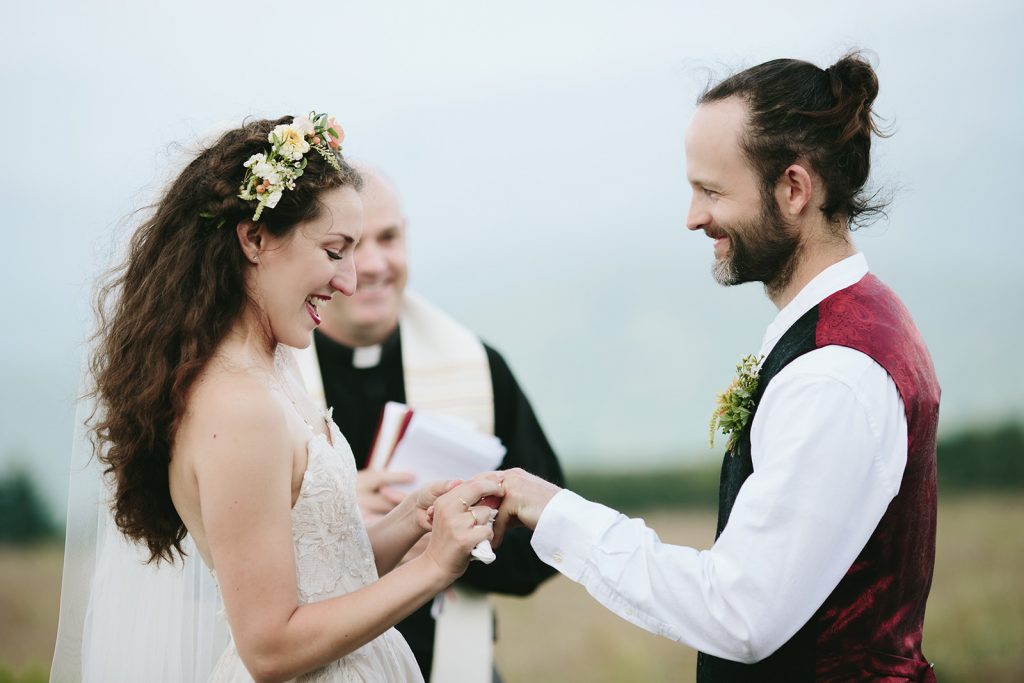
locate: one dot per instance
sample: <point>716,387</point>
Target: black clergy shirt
<point>358,395</point>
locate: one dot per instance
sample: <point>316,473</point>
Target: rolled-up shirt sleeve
<point>829,448</point>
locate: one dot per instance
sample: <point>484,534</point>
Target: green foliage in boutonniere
<point>735,405</point>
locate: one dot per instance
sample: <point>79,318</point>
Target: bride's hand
<point>424,498</point>
<point>460,522</point>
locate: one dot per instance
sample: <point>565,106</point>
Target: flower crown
<point>268,174</point>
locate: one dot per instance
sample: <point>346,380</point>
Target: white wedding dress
<point>333,557</point>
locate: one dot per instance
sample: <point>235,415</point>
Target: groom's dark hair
<point>798,111</point>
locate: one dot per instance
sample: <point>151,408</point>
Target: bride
<point>210,445</point>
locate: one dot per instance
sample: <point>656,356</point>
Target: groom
<point>826,527</point>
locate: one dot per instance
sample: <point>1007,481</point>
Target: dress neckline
<point>330,439</point>
<point>325,431</point>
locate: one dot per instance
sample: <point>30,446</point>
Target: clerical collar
<point>366,356</point>
<point>362,357</point>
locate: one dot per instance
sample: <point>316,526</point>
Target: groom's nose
<point>698,217</point>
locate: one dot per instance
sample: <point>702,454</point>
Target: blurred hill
<point>974,460</point>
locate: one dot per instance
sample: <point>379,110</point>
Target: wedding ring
<point>465,503</point>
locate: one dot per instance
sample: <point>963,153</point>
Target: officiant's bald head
<point>371,314</point>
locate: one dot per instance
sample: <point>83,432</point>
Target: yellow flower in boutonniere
<point>735,405</point>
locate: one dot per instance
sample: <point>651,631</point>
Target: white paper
<point>435,448</point>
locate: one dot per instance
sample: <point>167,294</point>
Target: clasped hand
<point>458,515</point>
<point>442,506</point>
<point>524,499</point>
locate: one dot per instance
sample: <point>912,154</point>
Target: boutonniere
<point>735,405</point>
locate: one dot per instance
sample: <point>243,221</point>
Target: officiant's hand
<point>374,494</point>
<point>525,498</point>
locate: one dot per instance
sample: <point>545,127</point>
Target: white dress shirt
<point>828,444</point>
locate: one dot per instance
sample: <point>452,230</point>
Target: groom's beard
<point>763,249</point>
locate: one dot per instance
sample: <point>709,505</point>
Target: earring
<point>255,258</point>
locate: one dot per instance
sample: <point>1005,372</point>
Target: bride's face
<point>294,274</point>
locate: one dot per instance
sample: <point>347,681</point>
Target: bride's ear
<point>250,238</point>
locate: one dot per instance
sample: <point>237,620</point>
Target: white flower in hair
<point>290,141</point>
<point>304,125</point>
<point>267,171</point>
<point>255,159</point>
<point>273,198</point>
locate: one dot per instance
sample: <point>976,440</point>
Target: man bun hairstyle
<point>798,111</point>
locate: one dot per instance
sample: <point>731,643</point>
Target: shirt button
<point>557,557</point>
<point>629,611</point>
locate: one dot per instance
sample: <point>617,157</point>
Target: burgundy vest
<point>869,628</point>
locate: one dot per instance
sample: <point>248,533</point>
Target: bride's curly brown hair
<point>163,312</point>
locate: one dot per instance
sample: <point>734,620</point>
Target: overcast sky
<point>539,149</point>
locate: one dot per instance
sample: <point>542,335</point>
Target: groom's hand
<point>525,498</point>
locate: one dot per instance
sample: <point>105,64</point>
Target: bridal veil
<point>122,619</point>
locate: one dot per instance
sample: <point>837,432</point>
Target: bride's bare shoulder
<point>228,408</point>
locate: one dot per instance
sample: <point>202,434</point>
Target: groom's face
<point>752,241</point>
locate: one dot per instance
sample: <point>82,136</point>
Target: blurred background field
<point>973,632</point>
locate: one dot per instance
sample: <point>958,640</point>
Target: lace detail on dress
<point>333,557</point>
<point>332,549</point>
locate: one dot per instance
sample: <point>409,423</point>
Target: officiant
<point>385,343</point>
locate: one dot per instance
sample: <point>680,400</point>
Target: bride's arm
<point>244,478</point>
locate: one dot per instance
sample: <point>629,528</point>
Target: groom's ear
<point>250,239</point>
<point>795,190</point>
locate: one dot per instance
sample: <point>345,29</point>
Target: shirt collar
<point>838,276</point>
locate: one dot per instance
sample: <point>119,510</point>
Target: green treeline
<point>689,487</point>
<point>24,517</point>
<point>973,460</point>
<point>982,460</point>
<point>979,459</point>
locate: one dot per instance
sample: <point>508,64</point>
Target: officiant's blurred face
<point>752,241</point>
<point>371,314</point>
